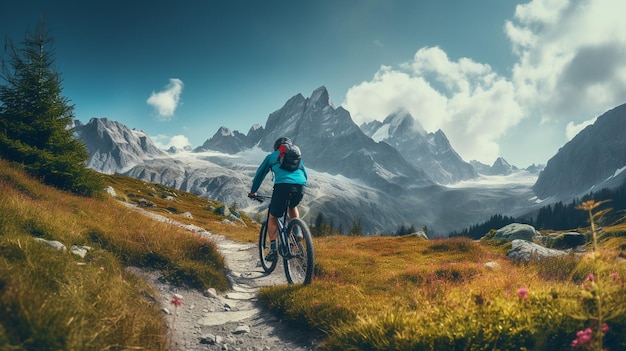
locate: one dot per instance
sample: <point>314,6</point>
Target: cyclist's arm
<point>261,172</point>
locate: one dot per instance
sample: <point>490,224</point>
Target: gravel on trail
<point>231,320</point>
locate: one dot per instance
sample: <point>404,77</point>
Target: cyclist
<point>285,183</point>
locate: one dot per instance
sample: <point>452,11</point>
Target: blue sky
<point>506,78</point>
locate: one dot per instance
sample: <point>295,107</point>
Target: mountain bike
<point>297,252</point>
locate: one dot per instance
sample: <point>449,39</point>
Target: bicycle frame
<point>296,250</point>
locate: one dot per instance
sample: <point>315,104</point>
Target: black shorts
<point>281,194</point>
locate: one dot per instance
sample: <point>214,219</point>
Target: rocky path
<point>226,321</point>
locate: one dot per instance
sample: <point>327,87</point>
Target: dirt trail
<point>226,321</point>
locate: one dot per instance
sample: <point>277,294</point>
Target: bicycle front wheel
<point>264,249</point>
<point>299,263</point>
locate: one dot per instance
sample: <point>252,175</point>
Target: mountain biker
<point>285,182</point>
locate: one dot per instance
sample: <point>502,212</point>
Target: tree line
<point>558,216</point>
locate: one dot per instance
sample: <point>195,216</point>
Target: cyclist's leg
<point>296,193</point>
<point>277,209</point>
<point>272,228</point>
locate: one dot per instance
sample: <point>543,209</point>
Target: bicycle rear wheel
<point>299,266</point>
<point>264,249</point>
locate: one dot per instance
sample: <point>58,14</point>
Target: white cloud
<point>166,101</point>
<point>572,57</point>
<point>165,142</point>
<point>571,66</point>
<point>467,100</point>
<point>572,128</point>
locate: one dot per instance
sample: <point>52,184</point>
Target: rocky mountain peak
<point>594,158</point>
<point>427,151</point>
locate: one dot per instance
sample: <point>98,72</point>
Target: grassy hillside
<point>56,300</point>
<point>369,293</point>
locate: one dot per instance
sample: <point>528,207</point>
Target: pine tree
<point>356,229</point>
<point>34,118</point>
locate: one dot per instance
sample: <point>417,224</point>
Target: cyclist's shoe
<point>272,256</point>
<point>298,233</point>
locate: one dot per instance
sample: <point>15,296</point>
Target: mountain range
<point>381,174</point>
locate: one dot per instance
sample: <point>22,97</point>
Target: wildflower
<point>605,328</point>
<point>614,276</point>
<point>591,277</point>
<point>176,301</point>
<point>522,293</point>
<point>583,337</point>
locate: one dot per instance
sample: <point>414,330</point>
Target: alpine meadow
<point>70,236</point>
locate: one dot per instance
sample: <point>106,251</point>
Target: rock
<point>523,250</point>
<point>109,189</point>
<point>145,203</point>
<point>80,250</point>
<point>222,211</point>
<point>493,265</point>
<point>567,240</point>
<point>241,329</point>
<point>210,292</point>
<point>516,231</point>
<point>57,245</point>
<point>186,214</point>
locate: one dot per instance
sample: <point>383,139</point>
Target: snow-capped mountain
<point>499,167</point>
<point>113,147</point>
<point>430,152</point>
<point>351,176</point>
<point>593,159</point>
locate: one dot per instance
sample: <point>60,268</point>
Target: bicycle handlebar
<point>259,198</point>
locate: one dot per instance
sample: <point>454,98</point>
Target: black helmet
<point>280,141</point>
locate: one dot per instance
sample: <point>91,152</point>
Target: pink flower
<point>583,337</point>
<point>176,301</point>
<point>591,277</point>
<point>614,276</point>
<point>605,328</point>
<point>522,293</point>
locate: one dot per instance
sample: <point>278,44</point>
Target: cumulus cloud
<point>570,67</point>
<point>165,142</point>
<point>571,57</point>
<point>467,100</point>
<point>572,128</point>
<point>166,101</point>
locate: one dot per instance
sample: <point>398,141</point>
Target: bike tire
<point>264,249</point>
<point>299,267</point>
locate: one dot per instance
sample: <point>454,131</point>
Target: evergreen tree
<point>356,229</point>
<point>34,118</point>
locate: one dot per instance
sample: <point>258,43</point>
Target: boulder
<point>524,250</point>
<point>516,231</point>
<point>567,240</point>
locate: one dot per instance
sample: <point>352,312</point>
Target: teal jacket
<point>281,176</point>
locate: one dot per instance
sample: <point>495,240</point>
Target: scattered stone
<point>210,292</point>
<point>241,329</point>
<point>109,189</point>
<point>57,245</point>
<point>222,211</point>
<point>187,214</point>
<point>493,265</point>
<point>145,203</point>
<point>80,250</point>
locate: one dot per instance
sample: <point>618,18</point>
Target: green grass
<point>54,300</point>
<point>369,293</point>
<point>399,293</point>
